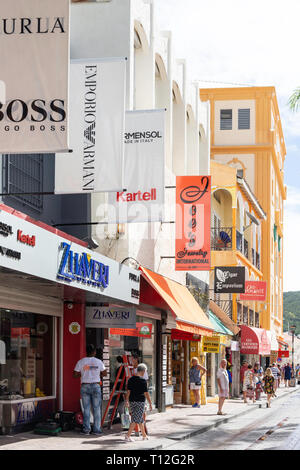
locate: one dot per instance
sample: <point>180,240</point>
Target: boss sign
<point>192,246</point>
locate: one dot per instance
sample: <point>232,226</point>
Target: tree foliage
<point>291,310</point>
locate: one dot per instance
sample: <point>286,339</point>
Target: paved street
<point>277,428</point>
<point>183,427</point>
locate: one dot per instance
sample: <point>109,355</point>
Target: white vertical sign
<point>34,57</point>
<point>97,123</point>
<point>144,165</point>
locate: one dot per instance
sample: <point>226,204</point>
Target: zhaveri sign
<point>97,124</point>
<point>110,317</point>
<point>144,163</point>
<point>34,57</point>
<point>60,260</point>
<point>192,247</point>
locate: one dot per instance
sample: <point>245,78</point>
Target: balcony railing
<point>221,238</point>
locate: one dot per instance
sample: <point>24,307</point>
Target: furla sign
<point>34,56</point>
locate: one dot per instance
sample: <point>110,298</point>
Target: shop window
<point>24,174</point>
<point>26,362</point>
<point>145,348</point>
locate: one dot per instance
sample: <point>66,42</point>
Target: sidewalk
<point>178,423</point>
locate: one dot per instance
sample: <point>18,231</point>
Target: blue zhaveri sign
<point>82,267</point>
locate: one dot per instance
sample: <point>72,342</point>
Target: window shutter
<point>226,119</point>
<point>244,119</point>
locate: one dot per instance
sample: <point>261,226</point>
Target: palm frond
<point>294,100</point>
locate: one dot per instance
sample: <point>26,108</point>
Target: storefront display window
<point>144,347</point>
<point>26,355</point>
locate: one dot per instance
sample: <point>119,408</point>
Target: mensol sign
<point>34,57</point>
<point>229,280</point>
<point>110,317</point>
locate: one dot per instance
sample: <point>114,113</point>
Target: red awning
<point>254,341</point>
<point>187,312</point>
<point>184,335</point>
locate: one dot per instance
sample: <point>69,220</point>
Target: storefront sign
<point>82,268</point>
<point>97,124</point>
<point>144,168</point>
<point>26,239</point>
<point>283,354</point>
<point>183,335</point>
<point>74,328</point>
<point>5,229</point>
<point>254,341</point>
<point>108,317</point>
<point>143,330</point>
<point>34,56</point>
<point>255,290</point>
<point>193,202</point>
<point>229,280</point>
<point>211,344</point>
<point>58,259</point>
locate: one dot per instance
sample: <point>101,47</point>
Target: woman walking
<point>196,373</point>
<point>137,392</point>
<point>269,386</point>
<point>249,384</point>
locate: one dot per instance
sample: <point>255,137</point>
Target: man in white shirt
<point>223,384</point>
<point>89,369</point>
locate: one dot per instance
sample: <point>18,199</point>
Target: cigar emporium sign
<point>192,248</point>
<point>34,56</point>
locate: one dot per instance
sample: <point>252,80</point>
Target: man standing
<point>90,369</point>
<point>223,385</point>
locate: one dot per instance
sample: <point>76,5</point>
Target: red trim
<point>38,223</point>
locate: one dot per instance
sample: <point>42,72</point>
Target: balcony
<point>221,238</point>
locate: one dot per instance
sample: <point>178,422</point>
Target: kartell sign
<point>255,290</point>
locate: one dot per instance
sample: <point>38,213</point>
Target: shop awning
<point>219,327</point>
<point>218,312</point>
<point>282,344</point>
<point>273,340</point>
<point>187,312</point>
<point>254,341</point>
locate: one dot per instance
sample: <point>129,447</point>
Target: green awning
<point>219,327</point>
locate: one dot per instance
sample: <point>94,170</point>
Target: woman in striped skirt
<point>137,392</point>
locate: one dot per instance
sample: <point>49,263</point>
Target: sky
<point>248,43</point>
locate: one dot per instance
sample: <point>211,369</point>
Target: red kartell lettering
<point>124,196</point>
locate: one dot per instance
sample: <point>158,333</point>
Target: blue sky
<point>250,43</point>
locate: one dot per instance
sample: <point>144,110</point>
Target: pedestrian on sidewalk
<point>287,375</point>
<point>269,385</point>
<point>242,372</point>
<point>258,375</point>
<point>137,393</point>
<point>223,385</point>
<point>196,373</point>
<point>90,369</point>
<point>249,384</point>
<point>276,374</point>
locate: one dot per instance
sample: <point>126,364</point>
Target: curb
<point>188,434</point>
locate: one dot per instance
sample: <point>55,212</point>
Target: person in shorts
<point>196,373</point>
<point>137,393</point>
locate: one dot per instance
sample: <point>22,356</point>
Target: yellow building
<point>246,134</point>
<point>235,237</point>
